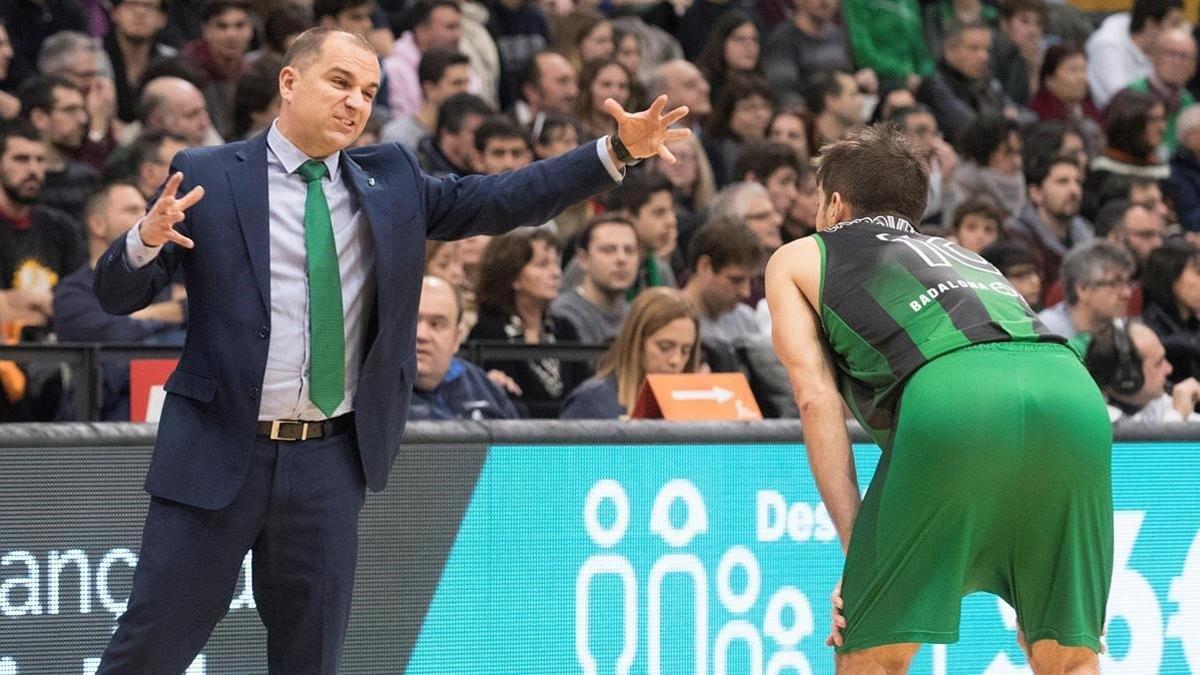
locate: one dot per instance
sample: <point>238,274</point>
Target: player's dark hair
<point>876,171</point>
<point>724,242</point>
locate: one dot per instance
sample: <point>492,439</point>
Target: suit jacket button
<point>253,392</point>
<point>263,333</point>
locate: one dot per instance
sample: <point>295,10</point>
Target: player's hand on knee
<point>158,227</point>
<point>839,620</point>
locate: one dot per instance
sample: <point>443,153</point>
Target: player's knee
<point>887,660</point>
<point>1048,657</point>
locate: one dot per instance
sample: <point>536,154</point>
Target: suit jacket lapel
<point>370,193</point>
<point>248,184</point>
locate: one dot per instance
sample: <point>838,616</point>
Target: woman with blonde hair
<point>661,335</point>
<point>691,176</point>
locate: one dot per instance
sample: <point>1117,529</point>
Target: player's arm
<point>798,340</point>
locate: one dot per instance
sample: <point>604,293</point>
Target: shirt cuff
<point>618,175</point>
<point>137,253</point>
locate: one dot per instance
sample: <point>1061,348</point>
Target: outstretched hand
<point>646,134</point>
<point>158,227</point>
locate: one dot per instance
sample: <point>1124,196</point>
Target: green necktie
<point>327,382</point>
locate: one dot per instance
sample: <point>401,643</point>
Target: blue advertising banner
<point>721,558</point>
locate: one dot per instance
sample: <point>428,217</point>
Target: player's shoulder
<point>802,252</point>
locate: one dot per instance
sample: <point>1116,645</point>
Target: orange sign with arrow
<point>697,397</point>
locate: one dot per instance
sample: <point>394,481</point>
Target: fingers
<point>173,183</point>
<point>174,235</point>
<point>675,115</point>
<point>657,107</point>
<point>613,108</point>
<point>666,154</point>
<point>677,135</point>
<point>190,198</point>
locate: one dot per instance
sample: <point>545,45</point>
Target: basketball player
<point>995,473</point>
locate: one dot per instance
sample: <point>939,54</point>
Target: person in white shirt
<point>1118,52</point>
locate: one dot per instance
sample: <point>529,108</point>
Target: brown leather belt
<point>300,430</point>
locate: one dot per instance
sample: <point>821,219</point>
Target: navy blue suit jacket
<point>208,422</point>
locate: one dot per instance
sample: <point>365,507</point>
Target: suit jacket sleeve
<point>123,289</point>
<point>457,207</point>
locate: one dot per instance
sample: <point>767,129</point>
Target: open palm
<point>646,134</point>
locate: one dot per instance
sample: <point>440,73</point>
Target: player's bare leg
<point>885,660</point>
<point>1048,657</point>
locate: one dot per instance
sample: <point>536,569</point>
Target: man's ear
<point>838,210</point>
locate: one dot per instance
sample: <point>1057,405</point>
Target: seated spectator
<point>1184,183</point>
<point>145,162</point>
<point>646,197</point>
<point>1050,223</point>
<point>723,258</point>
<point>1096,278</point>
<point>79,59</point>
<point>1063,94</point>
<point>1173,62</point>
<point>1017,47</point>
<point>442,74</point>
<point>256,98</point>
<point>835,105</point>
<point>281,27</point>
<point>920,128</point>
<point>1118,52</point>
<point>691,175</point>
<point>776,167</point>
<point>891,101</point>
<point>812,42</point>
<point>1044,140</point>
<point>601,80</point>
<point>887,39</point>
<point>132,47</point>
<point>788,127</point>
<point>801,221</point>
<point>660,336</point>
<point>451,147</point>
<point>447,387</point>
<point>583,36</point>
<point>1131,368</point>
<point>500,146</point>
<point>1171,284</point>
<point>627,48</point>
<point>435,23</point>
<point>220,52</point>
<point>443,259</point>
<point>977,224</point>
<point>961,88</point>
<point>1017,263</point>
<point>78,317</point>
<point>749,204</point>
<point>683,84</point>
<point>607,256</point>
<point>741,113</point>
<point>519,277</point>
<point>1134,123</point>
<point>174,106</point>
<point>1138,229</point>
<point>991,163</point>
<point>553,134</point>
<point>520,31</point>
<point>59,113</point>
<point>549,85</point>
<point>731,50</point>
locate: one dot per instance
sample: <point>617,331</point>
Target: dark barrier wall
<point>557,548</point>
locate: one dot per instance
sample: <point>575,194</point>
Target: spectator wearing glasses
<point>58,111</point>
<point>79,59</point>
<point>1097,279</point>
<point>1134,123</point>
<point>1118,51</point>
<point>1173,63</point>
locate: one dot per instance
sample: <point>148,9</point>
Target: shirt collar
<point>292,157</point>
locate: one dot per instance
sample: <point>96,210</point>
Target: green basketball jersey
<point>893,299</point>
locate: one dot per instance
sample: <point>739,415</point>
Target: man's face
<point>781,187</point>
<point>1024,29</point>
<point>1149,196</point>
<point>1061,193</point>
<point>920,129</point>
<point>66,121</point>
<point>326,103</point>
<point>81,69</point>
<point>23,169</point>
<point>686,86</point>
<point>821,11</point>
<point>123,208</point>
<point>154,173</point>
<point>1155,366</point>
<point>228,34</point>
<point>1143,232</point>
<point>456,80</point>
<point>504,154</point>
<point>558,86</point>
<point>611,259</point>
<point>139,20</point>
<point>438,333</point>
<point>723,289</point>
<point>1027,281</point>
<point>444,29</point>
<point>185,114</point>
<point>1106,296</point>
<point>763,220</point>
<point>1175,58</point>
<point>356,20</point>
<point>656,221</point>
<point>969,53</point>
<point>459,146</point>
<point>847,106</point>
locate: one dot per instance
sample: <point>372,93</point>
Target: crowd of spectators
<point>1063,146</point>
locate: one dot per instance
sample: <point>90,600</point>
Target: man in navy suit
<point>303,264</point>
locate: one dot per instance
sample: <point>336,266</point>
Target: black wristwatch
<point>621,151</point>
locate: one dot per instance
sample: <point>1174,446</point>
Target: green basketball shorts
<point>998,479</point>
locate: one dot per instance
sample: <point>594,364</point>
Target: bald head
<point>176,107</point>
<point>439,331</point>
<point>684,84</point>
<point>1174,59</point>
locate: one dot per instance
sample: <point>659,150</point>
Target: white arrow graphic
<point>717,394</point>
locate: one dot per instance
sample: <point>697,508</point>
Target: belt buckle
<point>277,425</point>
